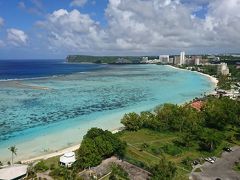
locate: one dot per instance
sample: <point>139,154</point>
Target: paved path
<point>222,168</point>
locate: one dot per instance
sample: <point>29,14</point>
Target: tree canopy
<point>98,144</point>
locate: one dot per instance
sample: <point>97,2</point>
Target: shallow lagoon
<point>43,115</point>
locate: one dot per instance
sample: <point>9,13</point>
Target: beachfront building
<point>182,58</point>
<point>197,61</point>
<point>14,172</point>
<point>67,159</point>
<point>176,60</point>
<point>223,69</point>
<point>164,59</point>
<point>144,59</point>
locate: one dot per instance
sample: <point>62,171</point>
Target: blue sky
<point>56,28</point>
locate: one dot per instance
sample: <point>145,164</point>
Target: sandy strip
<point>31,86</point>
<point>47,156</point>
<point>60,152</point>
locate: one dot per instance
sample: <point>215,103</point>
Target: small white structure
<point>68,159</point>
<point>16,171</point>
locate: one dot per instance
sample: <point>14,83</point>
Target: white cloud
<point>72,30</point>
<point>1,21</point>
<point>144,26</point>
<point>79,3</point>
<point>16,37</point>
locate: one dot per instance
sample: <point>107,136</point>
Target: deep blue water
<point>21,69</point>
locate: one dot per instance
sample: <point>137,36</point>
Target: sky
<point>36,29</point>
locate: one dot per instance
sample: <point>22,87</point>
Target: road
<point>222,168</point>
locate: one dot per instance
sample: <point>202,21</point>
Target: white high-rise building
<point>182,58</point>
<point>223,69</point>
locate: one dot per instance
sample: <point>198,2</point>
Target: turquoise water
<point>43,115</point>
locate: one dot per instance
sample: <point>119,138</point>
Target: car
<point>227,149</point>
<point>213,158</point>
<point>196,162</point>
<point>209,160</point>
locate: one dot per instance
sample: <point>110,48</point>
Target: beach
<point>49,123</point>
<point>214,80</point>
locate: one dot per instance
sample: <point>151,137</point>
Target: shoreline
<point>61,151</point>
<point>71,147</point>
<point>214,80</point>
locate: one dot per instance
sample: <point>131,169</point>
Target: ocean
<point>47,105</point>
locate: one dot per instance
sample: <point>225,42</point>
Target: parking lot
<point>222,168</point>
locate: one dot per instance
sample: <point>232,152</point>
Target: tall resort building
<point>182,58</point>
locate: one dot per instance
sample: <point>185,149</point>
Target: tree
<point>118,173</point>
<point>219,113</point>
<point>88,155</point>
<point>13,149</point>
<point>132,121</point>
<point>164,170</point>
<point>97,145</point>
<point>209,139</point>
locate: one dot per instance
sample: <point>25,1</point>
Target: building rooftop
<point>197,105</point>
<point>13,172</point>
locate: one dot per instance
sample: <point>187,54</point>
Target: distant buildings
<point>164,59</point>
<point>182,58</point>
<point>144,59</point>
<point>223,69</point>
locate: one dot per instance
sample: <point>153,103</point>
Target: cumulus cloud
<point>72,30</point>
<point>16,37</point>
<point>1,21</point>
<point>79,3</point>
<point>147,26</point>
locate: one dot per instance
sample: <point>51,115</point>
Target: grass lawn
<point>54,161</point>
<point>149,146</point>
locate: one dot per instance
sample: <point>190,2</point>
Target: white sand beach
<point>214,80</point>
<point>60,152</point>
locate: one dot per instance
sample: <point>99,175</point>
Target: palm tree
<point>13,149</point>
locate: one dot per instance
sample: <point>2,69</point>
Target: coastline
<point>47,150</point>
<point>214,80</point>
<point>61,151</point>
<point>75,147</point>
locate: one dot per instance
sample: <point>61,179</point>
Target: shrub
<point>156,150</point>
<point>172,149</point>
<point>41,166</point>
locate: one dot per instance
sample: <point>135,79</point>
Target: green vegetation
<point>229,58</point>
<point>41,167</point>
<point>181,134</point>
<point>97,145</point>
<point>237,166</point>
<point>235,73</point>
<point>211,70</point>
<point>224,82</point>
<point>164,142</point>
<point>118,173</point>
<point>104,59</point>
<point>164,170</point>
